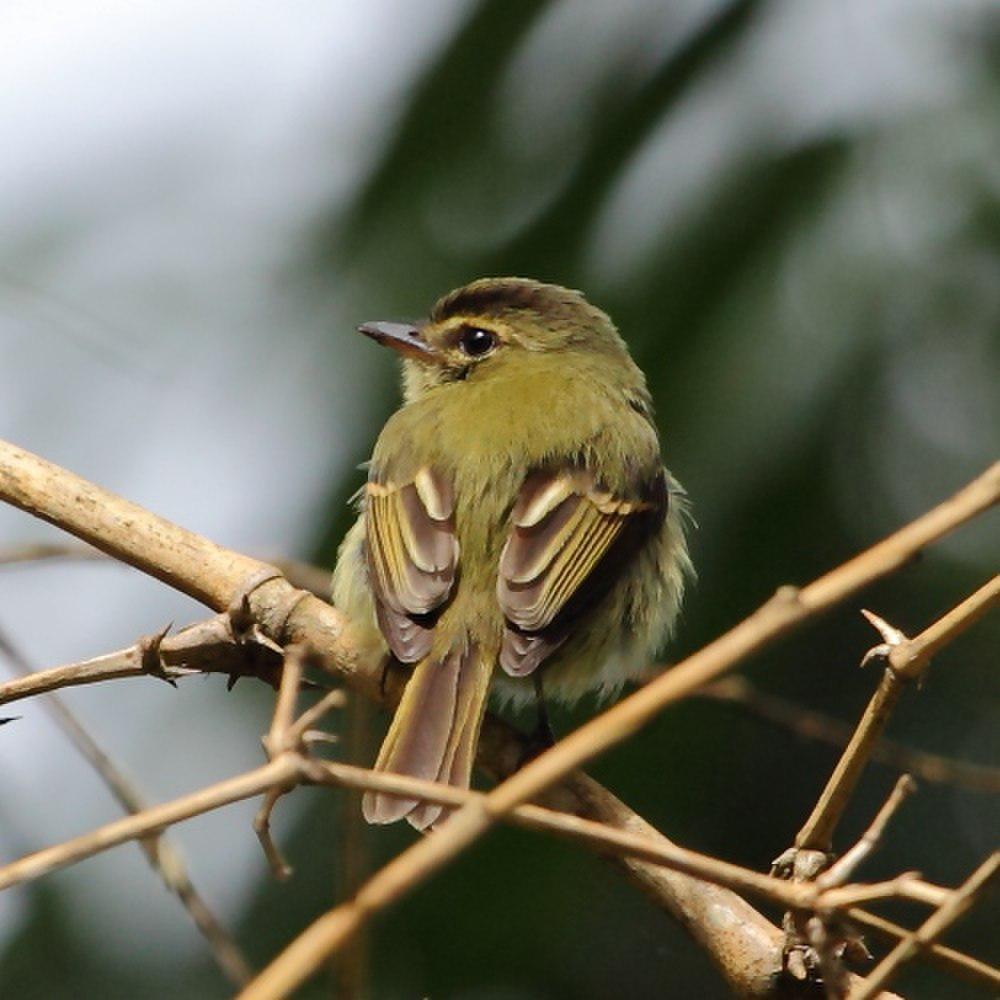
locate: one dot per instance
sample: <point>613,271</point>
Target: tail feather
<point>434,733</point>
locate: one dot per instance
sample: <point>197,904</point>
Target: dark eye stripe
<point>475,342</point>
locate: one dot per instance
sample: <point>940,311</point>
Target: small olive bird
<point>517,515</point>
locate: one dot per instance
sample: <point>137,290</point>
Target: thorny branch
<point>209,646</point>
<point>808,942</point>
<point>424,858</point>
<point>283,614</point>
<point>287,740</point>
<point>906,659</point>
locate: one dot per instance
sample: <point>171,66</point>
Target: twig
<point>786,609</point>
<point>806,723</point>
<point>839,872</point>
<point>349,971</point>
<point>959,902</point>
<point>149,821</point>
<point>817,832</point>
<point>600,836</point>
<point>39,552</point>
<point>297,768</point>
<point>165,859</point>
<point>818,938</point>
<point>656,851</point>
<point>970,969</point>
<point>206,647</point>
<point>280,868</point>
<point>276,742</point>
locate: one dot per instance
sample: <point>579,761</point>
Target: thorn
<point>259,638</point>
<point>150,659</point>
<point>784,863</point>
<point>855,949</point>
<point>891,635</point>
<point>244,629</point>
<point>879,652</point>
<point>891,638</point>
<point>239,612</point>
<point>9,718</point>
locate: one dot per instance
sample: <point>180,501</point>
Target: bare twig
<point>165,859</point>
<point>806,723</point>
<point>276,742</point>
<point>206,647</point>
<point>816,939</point>
<point>280,868</point>
<point>958,903</point>
<point>298,768</point>
<point>148,822</point>
<point>817,832</point>
<point>842,869</point>
<point>954,962</point>
<point>40,552</point>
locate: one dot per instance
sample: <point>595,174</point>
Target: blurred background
<point>790,209</point>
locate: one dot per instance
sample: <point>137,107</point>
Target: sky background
<point>789,208</point>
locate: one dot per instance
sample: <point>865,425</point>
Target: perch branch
<point>214,575</point>
<point>787,608</point>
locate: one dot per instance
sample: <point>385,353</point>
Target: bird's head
<point>497,326</point>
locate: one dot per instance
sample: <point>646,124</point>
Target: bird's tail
<point>434,733</point>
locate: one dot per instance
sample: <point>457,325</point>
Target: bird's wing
<point>412,557</point>
<point>560,558</point>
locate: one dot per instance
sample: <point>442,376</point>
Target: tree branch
<point>958,903</point>
<point>217,576</point>
<point>954,962</point>
<point>786,609</point>
<point>286,740</point>
<point>912,657</point>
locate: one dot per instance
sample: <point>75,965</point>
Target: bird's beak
<point>404,338</point>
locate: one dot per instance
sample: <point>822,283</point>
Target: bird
<point>518,533</point>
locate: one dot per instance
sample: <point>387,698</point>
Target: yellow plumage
<point>518,518</point>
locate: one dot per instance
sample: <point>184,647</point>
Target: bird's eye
<point>476,342</point>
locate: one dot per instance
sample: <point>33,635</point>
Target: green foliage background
<point>818,320</point>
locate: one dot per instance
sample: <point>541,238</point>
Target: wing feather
<point>412,556</point>
<point>562,528</point>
